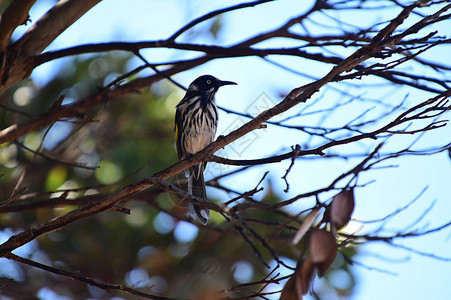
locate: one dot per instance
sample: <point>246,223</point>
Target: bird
<point>196,121</point>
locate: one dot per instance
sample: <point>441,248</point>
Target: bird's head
<point>207,84</point>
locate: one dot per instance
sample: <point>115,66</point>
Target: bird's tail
<point>196,187</point>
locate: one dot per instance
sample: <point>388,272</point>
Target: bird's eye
<point>208,81</point>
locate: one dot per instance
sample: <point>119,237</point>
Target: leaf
<point>341,208</point>
<point>299,283</point>
<point>289,290</point>
<point>305,277</point>
<point>323,249</point>
<point>306,225</point>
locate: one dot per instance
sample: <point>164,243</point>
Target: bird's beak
<point>221,83</point>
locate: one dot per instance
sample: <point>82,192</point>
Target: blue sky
<point>413,276</point>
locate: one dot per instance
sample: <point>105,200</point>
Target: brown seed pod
<point>323,249</point>
<point>341,209</point>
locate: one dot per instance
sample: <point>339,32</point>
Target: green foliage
<point>117,140</point>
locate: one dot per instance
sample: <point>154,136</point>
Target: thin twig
<point>90,281</point>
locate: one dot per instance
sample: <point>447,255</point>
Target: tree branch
<point>14,15</point>
<point>17,63</point>
<point>90,281</point>
<point>213,14</point>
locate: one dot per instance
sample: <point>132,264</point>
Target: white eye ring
<point>208,81</point>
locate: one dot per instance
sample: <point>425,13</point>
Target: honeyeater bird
<point>196,120</point>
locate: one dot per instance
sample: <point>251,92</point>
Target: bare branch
<point>213,14</point>
<point>90,281</point>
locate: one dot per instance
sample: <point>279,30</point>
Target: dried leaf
<point>341,208</point>
<point>306,225</point>
<point>299,283</point>
<point>323,250</point>
<point>289,290</point>
<point>305,276</point>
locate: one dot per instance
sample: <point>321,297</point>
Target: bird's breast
<point>199,125</point>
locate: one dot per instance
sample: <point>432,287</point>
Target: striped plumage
<point>196,120</point>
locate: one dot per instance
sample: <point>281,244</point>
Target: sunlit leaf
<point>56,177</point>
<point>108,172</point>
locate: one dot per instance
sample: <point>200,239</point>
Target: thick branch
<point>18,64</point>
<point>16,14</point>
<point>216,51</point>
<point>52,24</point>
